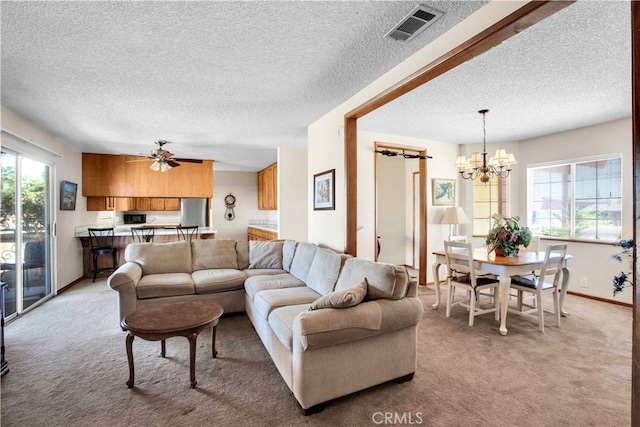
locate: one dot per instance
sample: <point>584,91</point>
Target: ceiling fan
<point>163,160</point>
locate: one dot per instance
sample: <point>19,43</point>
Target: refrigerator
<point>194,212</point>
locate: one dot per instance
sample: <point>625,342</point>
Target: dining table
<point>504,268</point>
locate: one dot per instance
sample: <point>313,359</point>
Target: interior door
<point>25,231</point>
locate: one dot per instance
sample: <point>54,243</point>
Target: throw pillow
<point>341,299</point>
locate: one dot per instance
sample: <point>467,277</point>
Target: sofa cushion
<point>281,322</point>
<point>288,251</point>
<point>262,272</point>
<point>158,258</point>
<point>165,285</point>
<point>217,280</point>
<point>242,251</point>
<point>384,280</point>
<point>343,298</point>
<point>324,271</point>
<point>302,260</point>
<point>255,284</point>
<point>213,253</point>
<point>265,254</point>
<point>265,301</point>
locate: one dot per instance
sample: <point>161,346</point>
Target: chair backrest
<point>462,239</point>
<point>35,253</point>
<point>101,237</point>
<point>552,264</point>
<point>189,232</point>
<point>460,258</point>
<point>142,234</point>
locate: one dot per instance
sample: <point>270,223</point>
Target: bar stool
<point>142,234</point>
<point>101,241</point>
<point>187,232</point>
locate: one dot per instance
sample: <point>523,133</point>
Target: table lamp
<point>454,216</point>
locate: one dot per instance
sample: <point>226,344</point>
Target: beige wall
<point>244,186</point>
<point>292,193</point>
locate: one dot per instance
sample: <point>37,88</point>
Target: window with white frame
<point>577,199</point>
<point>489,198</point>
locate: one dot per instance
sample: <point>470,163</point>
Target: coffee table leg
<point>214,353</point>
<point>163,348</point>
<point>192,358</point>
<point>130,338</point>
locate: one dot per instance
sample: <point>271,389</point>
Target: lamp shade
<point>454,215</point>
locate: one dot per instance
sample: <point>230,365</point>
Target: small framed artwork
<point>68,193</point>
<point>443,192</point>
<point>324,188</point>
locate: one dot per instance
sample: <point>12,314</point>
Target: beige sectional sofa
<point>332,324</point>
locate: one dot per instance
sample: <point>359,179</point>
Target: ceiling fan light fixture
<point>155,166</point>
<point>164,166</point>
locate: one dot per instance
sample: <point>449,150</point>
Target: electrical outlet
<point>584,282</point>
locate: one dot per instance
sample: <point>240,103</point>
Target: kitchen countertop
<point>160,229</point>
<point>264,227</point>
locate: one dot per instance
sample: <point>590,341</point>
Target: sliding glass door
<point>25,231</point>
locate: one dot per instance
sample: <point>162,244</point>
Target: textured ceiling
<point>228,81</point>
<point>568,71</point>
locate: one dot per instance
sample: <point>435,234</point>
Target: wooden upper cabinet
<point>268,188</point>
<point>130,176</point>
<point>103,175</point>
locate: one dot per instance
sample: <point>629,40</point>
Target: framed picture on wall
<point>68,193</point>
<point>324,189</point>
<point>443,192</point>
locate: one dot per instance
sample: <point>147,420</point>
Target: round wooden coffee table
<point>162,321</point>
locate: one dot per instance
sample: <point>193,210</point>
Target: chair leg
<point>540,312</point>
<point>472,306</point>
<point>519,300</point>
<point>95,266</point>
<point>556,306</point>
<point>450,290</point>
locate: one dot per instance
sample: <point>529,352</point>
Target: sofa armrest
<point>128,273</point>
<point>124,280</point>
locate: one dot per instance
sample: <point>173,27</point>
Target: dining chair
<point>536,283</point>
<point>101,242</point>
<point>142,234</point>
<point>460,258</point>
<point>187,232</point>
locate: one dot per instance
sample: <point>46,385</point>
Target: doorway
<point>25,231</point>
<point>399,197</point>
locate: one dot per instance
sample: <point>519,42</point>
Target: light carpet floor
<point>68,367</point>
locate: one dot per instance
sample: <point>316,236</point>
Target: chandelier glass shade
<point>477,167</point>
<point>160,165</point>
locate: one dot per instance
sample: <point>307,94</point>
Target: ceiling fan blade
<point>189,160</point>
<point>172,163</point>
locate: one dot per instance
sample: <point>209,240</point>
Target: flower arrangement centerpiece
<point>506,236</point>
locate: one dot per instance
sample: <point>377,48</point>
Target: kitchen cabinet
<point>124,204</point>
<point>268,188</point>
<point>260,234</point>
<point>103,175</point>
<point>130,176</point>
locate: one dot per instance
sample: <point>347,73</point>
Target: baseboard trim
<point>610,301</point>
<point>67,287</point>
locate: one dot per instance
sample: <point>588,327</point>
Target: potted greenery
<point>624,279</point>
<point>506,236</point>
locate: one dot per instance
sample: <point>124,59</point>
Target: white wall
<point>326,141</point>
<point>293,190</point>
<point>67,249</point>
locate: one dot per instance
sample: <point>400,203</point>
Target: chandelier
<point>478,167</point>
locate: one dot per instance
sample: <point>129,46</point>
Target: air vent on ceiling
<point>414,23</point>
